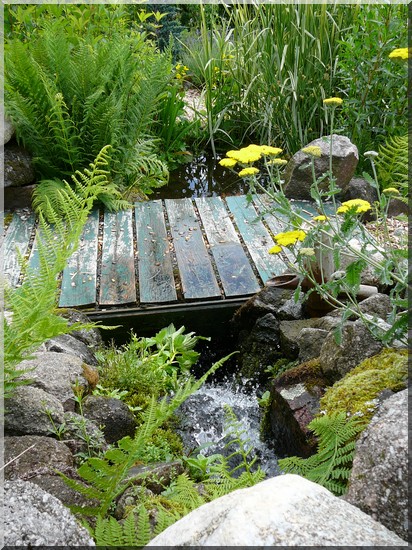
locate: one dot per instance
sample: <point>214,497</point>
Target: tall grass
<point>284,63</point>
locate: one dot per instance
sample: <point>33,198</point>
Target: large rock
<point>378,484</point>
<point>357,344</point>
<point>91,337</point>
<point>67,343</point>
<point>286,510</point>
<point>18,167</point>
<point>298,176</point>
<point>310,341</point>
<point>32,517</point>
<point>31,455</point>
<point>112,415</point>
<point>57,373</point>
<point>82,435</point>
<point>359,188</point>
<point>32,411</point>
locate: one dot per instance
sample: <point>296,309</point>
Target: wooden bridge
<point>160,257</point>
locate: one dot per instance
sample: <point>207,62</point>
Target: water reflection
<point>203,177</point>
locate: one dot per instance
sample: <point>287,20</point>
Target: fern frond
<point>331,465</point>
<point>184,490</point>
<point>392,163</point>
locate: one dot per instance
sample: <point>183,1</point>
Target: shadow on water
<point>202,177</point>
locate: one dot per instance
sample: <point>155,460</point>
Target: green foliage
<point>331,464</point>
<point>374,87</point>
<point>357,392</point>
<point>392,164</point>
<point>33,306</point>
<point>107,476</point>
<point>69,100</point>
<point>149,366</point>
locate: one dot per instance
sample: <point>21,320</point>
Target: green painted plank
<point>16,241</point>
<point>78,287</point>
<point>195,268</point>
<point>256,237</point>
<point>232,263</point>
<point>117,278</point>
<point>156,281</point>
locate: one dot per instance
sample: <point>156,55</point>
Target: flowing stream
<point>203,421</point>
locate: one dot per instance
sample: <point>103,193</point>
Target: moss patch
<point>308,373</point>
<point>356,393</point>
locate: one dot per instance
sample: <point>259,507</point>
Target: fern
<point>107,476</point>
<point>67,101</point>
<point>331,465</point>
<point>34,304</point>
<point>392,164</point>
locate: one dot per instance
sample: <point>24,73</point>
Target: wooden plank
<point>78,286</point>
<point>16,242</point>
<point>117,279</point>
<point>156,281</point>
<point>231,260</point>
<point>256,237</point>
<point>196,271</point>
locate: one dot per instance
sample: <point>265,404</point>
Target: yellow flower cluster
<point>320,218</point>
<point>252,153</point>
<point>400,53</point>
<point>357,206</point>
<point>312,151</point>
<point>278,162</point>
<point>181,71</point>
<point>250,171</point>
<point>290,237</point>
<point>228,163</point>
<point>391,191</point>
<point>333,101</point>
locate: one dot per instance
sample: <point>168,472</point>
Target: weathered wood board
<point>194,263</point>
<point>156,281</point>
<point>117,276</point>
<point>233,265</point>
<point>16,243</point>
<point>256,237</point>
<point>78,287</point>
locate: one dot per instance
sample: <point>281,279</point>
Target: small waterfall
<point>202,421</point>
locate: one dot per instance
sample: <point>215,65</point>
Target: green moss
<point>356,392</point>
<point>308,373</point>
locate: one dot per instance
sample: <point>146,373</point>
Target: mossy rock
<point>308,373</point>
<point>357,392</point>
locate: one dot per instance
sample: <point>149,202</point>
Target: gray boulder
<point>112,415</point>
<point>287,510</point>
<point>82,435</point>
<point>31,455</point>
<point>298,176</point>
<point>357,344</point>
<point>378,484</point>
<point>310,341</point>
<point>18,167</point>
<point>91,337</point>
<point>56,373</point>
<point>26,412</point>
<point>8,130</point>
<point>32,517</point>
<point>67,343</point>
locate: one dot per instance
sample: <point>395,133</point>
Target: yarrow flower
<point>370,154</point>
<point>312,151</point>
<point>399,53</point>
<point>391,191</point>
<point>307,251</point>
<point>270,151</point>
<point>228,163</point>
<point>333,101</point>
<point>245,155</point>
<point>248,172</point>
<point>275,249</point>
<point>290,237</point>
<point>356,205</point>
<point>320,218</point>
<point>278,162</point>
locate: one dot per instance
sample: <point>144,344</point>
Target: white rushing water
<point>203,422</point>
